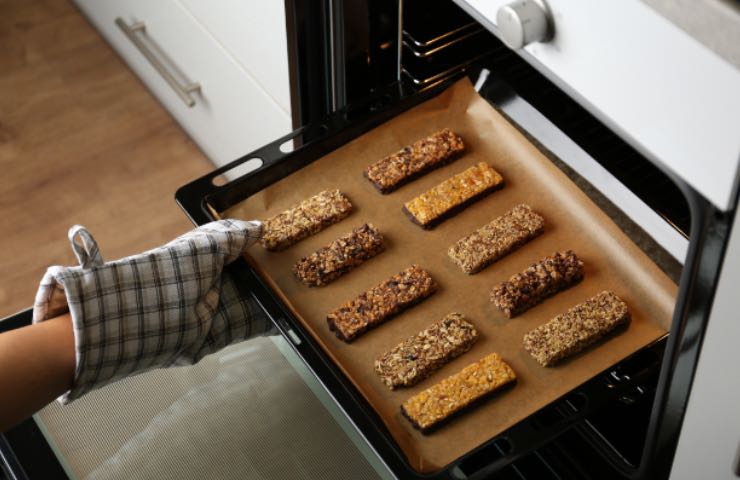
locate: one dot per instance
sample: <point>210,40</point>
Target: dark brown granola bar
<point>452,195</point>
<point>415,160</point>
<point>538,282</point>
<point>419,356</point>
<point>430,408</point>
<point>582,325</point>
<point>340,256</point>
<point>494,240</point>
<point>307,218</point>
<point>381,302</point>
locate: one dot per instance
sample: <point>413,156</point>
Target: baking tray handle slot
<point>248,166</point>
<point>194,197</point>
<point>203,197</point>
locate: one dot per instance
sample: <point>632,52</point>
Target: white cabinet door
<point>254,33</point>
<point>232,114</point>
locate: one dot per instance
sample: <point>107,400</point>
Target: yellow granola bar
<point>452,195</point>
<point>428,409</point>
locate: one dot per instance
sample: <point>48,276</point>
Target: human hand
<point>164,307</point>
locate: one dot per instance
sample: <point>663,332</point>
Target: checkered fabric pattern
<point>168,306</point>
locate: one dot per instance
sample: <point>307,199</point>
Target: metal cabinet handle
<point>182,91</point>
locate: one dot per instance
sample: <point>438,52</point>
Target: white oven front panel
<point>670,96</point>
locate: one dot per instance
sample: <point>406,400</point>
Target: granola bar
<point>494,240</point>
<point>428,409</point>
<point>582,325</point>
<point>415,160</point>
<point>381,302</point>
<point>419,356</point>
<point>452,195</point>
<point>305,219</point>
<point>538,282</point>
<point>340,256</point>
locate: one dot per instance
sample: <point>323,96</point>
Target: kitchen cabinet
<point>232,59</point>
<point>254,33</point>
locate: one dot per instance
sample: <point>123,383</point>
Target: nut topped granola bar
<point>582,325</point>
<point>538,282</point>
<point>428,409</point>
<point>381,302</point>
<point>340,256</point>
<point>494,240</point>
<point>415,160</point>
<point>417,357</point>
<point>452,195</point>
<point>305,219</point>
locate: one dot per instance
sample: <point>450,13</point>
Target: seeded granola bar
<point>381,302</point>
<point>538,282</point>
<point>428,409</point>
<point>494,240</point>
<point>414,160</point>
<point>340,256</point>
<point>452,195</point>
<point>582,325</point>
<point>305,219</point>
<point>417,357</point>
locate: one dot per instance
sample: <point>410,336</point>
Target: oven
<point>642,104</point>
<point>639,107</point>
<point>367,58</point>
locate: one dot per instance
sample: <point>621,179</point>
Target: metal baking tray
<point>201,200</point>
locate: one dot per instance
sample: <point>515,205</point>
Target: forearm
<point>37,364</point>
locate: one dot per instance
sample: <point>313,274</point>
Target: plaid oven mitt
<point>168,306</point>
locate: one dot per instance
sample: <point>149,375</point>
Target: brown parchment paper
<point>573,221</point>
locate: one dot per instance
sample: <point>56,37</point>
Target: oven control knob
<point>523,22</point>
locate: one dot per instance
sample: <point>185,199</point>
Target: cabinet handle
<point>182,91</point>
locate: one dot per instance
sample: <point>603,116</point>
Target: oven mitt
<point>168,306</point>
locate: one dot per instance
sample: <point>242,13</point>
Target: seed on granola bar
<point>381,302</point>
<point>438,403</point>
<point>498,238</point>
<point>417,357</point>
<point>453,195</point>
<point>415,160</point>
<point>571,332</point>
<point>340,256</point>
<point>305,219</point>
<point>538,282</point>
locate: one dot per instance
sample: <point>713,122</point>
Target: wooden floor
<point>81,142</point>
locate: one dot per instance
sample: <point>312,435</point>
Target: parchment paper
<point>612,261</point>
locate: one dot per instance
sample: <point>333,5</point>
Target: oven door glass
<point>250,411</point>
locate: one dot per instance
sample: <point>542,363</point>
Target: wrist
<point>62,350</point>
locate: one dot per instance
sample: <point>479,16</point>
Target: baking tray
<point>612,261</point>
